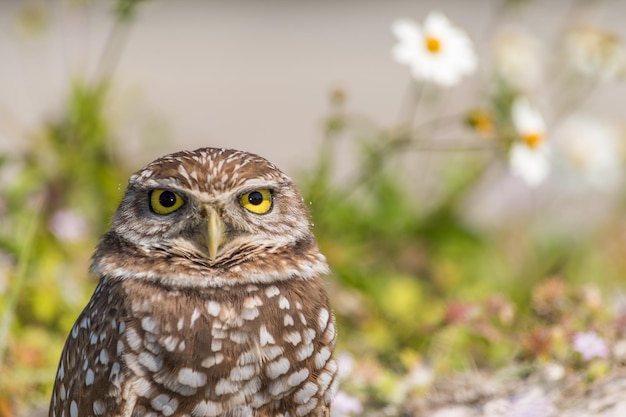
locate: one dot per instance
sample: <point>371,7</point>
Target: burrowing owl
<point>210,301</point>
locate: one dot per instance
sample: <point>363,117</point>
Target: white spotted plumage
<point>175,328</point>
<point>191,377</point>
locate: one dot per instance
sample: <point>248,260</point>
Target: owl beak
<point>215,231</point>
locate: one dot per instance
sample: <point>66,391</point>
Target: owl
<point>210,300</point>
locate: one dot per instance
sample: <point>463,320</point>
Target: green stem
<point>125,12</point>
<point>112,52</point>
<point>410,107</point>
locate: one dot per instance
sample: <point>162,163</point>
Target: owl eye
<point>165,201</point>
<point>257,201</point>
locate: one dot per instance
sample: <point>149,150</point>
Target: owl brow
<point>272,183</point>
<point>166,187</point>
<point>273,187</point>
<point>163,182</point>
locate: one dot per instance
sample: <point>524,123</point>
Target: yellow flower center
<point>481,121</point>
<point>433,45</point>
<point>533,140</point>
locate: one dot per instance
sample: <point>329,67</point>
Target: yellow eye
<point>165,201</point>
<point>257,201</point>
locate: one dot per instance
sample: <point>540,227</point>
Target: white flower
<point>529,158</point>
<point>420,376</point>
<point>438,52</point>
<point>452,411</point>
<point>619,350</point>
<point>518,58</point>
<point>554,371</point>
<point>596,53</point>
<point>591,149</point>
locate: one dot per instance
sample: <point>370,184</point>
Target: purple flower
<point>345,405</point>
<point>68,226</point>
<point>590,345</point>
<point>345,364</point>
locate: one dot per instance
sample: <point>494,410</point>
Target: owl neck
<point>118,258</point>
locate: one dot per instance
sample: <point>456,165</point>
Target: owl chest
<point>229,344</point>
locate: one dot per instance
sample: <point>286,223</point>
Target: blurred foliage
<point>416,287</point>
<point>69,182</point>
<point>56,200</point>
<point>410,275</point>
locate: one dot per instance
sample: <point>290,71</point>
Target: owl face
<point>211,208</point>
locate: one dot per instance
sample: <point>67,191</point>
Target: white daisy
<point>596,53</point>
<point>438,52</point>
<point>529,157</point>
<point>590,150</point>
<point>518,57</point>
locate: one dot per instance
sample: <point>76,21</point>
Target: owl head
<point>207,214</point>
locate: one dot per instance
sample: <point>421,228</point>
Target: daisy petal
<point>530,165</point>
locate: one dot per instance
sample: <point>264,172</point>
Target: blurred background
<point>448,253</point>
